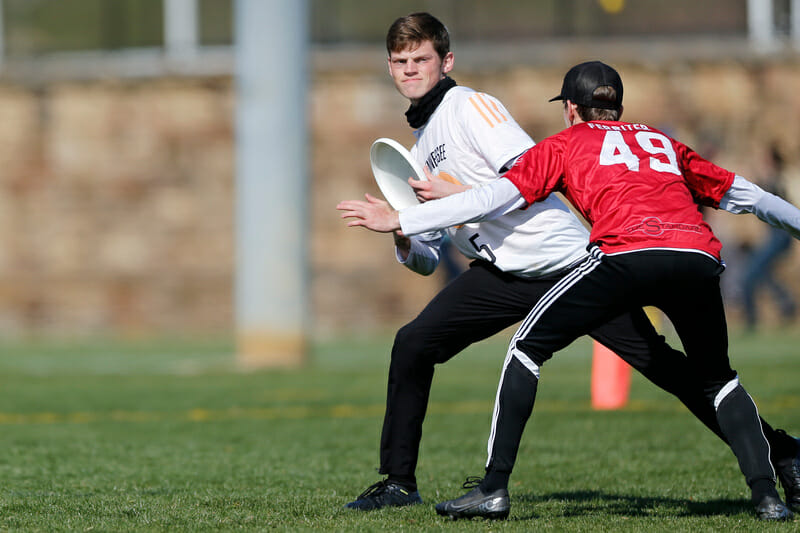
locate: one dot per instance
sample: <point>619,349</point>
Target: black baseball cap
<point>581,81</point>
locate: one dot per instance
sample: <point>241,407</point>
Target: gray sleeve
<point>424,255</point>
<point>747,197</point>
<point>473,205</point>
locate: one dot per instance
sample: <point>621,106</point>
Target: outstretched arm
<point>747,197</point>
<point>473,205</point>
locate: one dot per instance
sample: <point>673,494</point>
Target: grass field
<point>169,436</point>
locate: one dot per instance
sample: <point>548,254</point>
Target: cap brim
<point>559,97</point>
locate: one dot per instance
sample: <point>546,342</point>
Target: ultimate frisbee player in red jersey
<point>640,190</point>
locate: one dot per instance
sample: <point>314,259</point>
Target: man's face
<point>415,70</point>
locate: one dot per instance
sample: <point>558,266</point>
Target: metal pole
<point>271,181</point>
<point>180,28</point>
<point>760,24</point>
<point>2,37</point>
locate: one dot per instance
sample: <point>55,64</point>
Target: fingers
<point>351,214</point>
<point>355,204</point>
<point>374,200</point>
<point>352,208</point>
<point>345,205</point>
<point>359,217</point>
<point>423,190</point>
<point>419,185</point>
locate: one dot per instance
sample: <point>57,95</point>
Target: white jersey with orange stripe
<point>471,139</point>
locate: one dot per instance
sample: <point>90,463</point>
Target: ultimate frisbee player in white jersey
<point>468,139</point>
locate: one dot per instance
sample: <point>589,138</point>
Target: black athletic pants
<point>685,286</point>
<point>479,303</point>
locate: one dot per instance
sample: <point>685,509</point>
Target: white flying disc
<point>392,165</point>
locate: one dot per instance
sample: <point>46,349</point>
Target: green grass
<point>170,436</point>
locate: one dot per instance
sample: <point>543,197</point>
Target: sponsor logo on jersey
<point>436,156</point>
<point>653,226</point>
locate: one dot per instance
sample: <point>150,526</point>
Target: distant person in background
<point>760,270</point>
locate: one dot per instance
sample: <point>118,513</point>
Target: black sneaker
<point>384,494</point>
<point>493,505</point>
<point>772,508</point>
<point>789,474</point>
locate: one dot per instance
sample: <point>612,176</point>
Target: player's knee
<point>729,391</point>
<point>528,350</point>
<point>422,346</point>
<point>408,336</point>
<point>409,349</point>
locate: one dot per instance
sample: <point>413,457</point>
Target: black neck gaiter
<point>419,114</point>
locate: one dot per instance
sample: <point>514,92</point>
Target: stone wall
<point>115,206</point>
<point>116,197</point>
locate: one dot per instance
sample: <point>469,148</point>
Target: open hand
<point>374,214</point>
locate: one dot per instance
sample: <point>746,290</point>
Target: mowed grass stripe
<point>299,412</point>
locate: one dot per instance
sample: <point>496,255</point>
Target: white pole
<point>2,37</point>
<point>760,24</point>
<point>271,181</point>
<point>180,28</point>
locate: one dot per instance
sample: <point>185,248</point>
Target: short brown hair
<point>413,29</point>
<point>604,92</point>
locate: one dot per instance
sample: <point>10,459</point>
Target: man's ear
<point>571,112</point>
<point>448,62</point>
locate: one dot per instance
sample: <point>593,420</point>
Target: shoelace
<point>472,482</point>
<point>375,487</point>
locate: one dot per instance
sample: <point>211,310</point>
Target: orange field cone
<point>611,379</point>
<point>611,376</point>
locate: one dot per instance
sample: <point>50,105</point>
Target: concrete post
<point>180,29</point>
<point>271,287</point>
<point>760,25</point>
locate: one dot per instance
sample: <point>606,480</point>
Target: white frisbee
<point>392,165</point>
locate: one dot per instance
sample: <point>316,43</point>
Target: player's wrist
<point>402,242</point>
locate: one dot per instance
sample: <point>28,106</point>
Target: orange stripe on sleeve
<point>494,104</point>
<point>480,97</point>
<point>478,109</point>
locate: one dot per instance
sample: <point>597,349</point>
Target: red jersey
<point>636,186</point>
